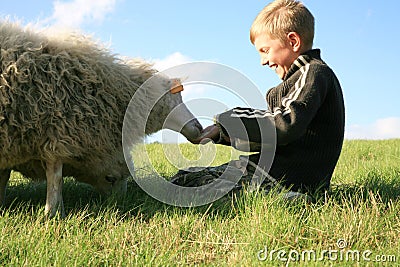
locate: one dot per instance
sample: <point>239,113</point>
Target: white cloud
<point>175,59</point>
<point>171,61</point>
<point>77,12</point>
<point>385,128</point>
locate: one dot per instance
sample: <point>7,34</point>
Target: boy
<point>306,109</point>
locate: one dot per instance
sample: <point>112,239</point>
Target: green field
<point>357,225</point>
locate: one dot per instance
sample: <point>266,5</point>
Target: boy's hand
<point>211,133</point>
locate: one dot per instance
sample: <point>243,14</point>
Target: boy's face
<point>278,55</point>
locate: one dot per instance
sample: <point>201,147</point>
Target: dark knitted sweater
<point>307,112</point>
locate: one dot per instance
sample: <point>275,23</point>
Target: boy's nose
<point>264,61</point>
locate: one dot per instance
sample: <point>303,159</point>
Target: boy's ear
<point>294,41</point>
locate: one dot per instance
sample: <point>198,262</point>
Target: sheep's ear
<point>176,86</point>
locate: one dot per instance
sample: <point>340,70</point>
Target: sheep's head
<point>169,111</point>
<point>107,177</point>
<point>110,183</point>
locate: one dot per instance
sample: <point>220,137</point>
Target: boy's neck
<point>304,50</point>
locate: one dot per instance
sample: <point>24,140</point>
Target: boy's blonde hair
<point>280,17</point>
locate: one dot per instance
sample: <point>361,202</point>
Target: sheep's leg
<point>54,200</point>
<point>4,177</point>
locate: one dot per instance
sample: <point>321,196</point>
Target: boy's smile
<point>278,55</point>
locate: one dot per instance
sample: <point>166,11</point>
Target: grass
<point>361,216</point>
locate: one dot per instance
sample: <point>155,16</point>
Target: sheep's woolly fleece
<point>61,97</point>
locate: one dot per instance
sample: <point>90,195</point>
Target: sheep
<point>62,105</point>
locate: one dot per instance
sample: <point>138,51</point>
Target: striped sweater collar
<point>303,60</point>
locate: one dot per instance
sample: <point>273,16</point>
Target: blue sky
<point>358,39</point>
